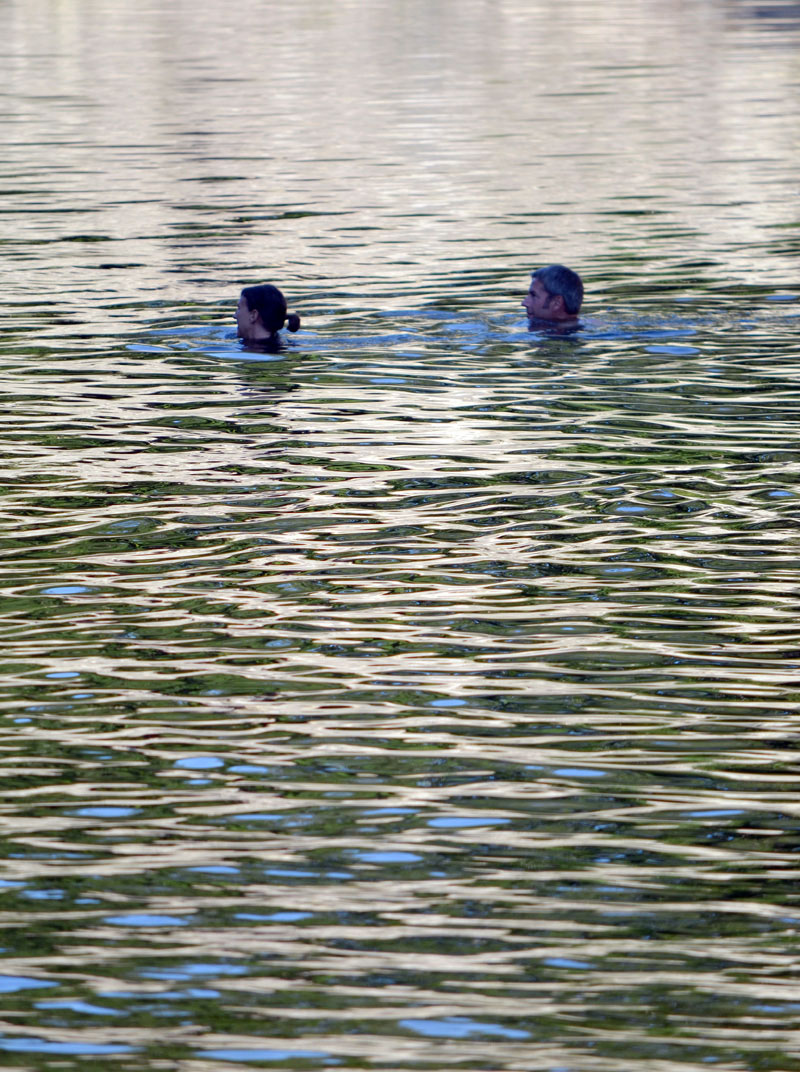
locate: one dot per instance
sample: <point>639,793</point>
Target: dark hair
<point>270,304</point>
<point>556,279</point>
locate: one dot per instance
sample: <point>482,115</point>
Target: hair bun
<point>292,321</point>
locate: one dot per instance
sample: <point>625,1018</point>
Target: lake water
<point>424,696</point>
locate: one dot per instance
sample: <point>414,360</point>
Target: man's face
<point>540,304</point>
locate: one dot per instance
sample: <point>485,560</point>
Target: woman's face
<point>244,318</point>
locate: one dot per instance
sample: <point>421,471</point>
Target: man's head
<point>556,294</point>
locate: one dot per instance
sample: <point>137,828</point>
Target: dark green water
<point>426,696</point>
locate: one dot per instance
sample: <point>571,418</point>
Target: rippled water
<point>424,696</point>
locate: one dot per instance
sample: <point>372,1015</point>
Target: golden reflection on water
<point>422,141</point>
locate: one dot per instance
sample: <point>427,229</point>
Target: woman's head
<point>261,313</point>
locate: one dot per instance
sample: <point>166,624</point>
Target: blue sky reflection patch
<point>265,1055</point>
<point>10,984</point>
<point>77,1049</point>
<point>388,857</point>
<point>136,919</point>
<point>455,822</point>
<point>461,1027</point>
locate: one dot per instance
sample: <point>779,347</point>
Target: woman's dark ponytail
<point>271,307</point>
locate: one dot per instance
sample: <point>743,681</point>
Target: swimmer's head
<point>556,293</point>
<point>261,313</point>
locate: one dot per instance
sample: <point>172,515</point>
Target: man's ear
<point>558,302</point>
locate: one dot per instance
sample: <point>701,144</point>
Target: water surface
<point>424,696</point>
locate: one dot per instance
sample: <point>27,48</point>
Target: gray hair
<point>556,279</point>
